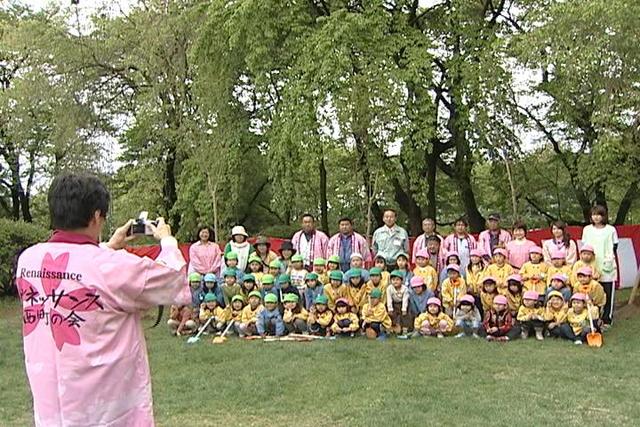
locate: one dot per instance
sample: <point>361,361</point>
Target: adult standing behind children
<point>240,246</point>
<point>460,242</point>
<point>429,229</point>
<point>205,255</point>
<point>493,237</point>
<point>84,346</point>
<point>347,242</point>
<point>390,240</point>
<point>309,242</point>
<point>604,239</point>
<point>561,240</point>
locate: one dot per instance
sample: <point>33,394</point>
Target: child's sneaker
<point>461,335</point>
<point>476,335</point>
<point>539,335</point>
<point>405,331</point>
<point>502,339</point>
<point>578,342</point>
<point>524,335</point>
<point>491,338</point>
<point>440,335</point>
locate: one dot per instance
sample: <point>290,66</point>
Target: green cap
<point>354,272</point>
<point>195,277</point>
<point>290,298</point>
<point>240,297</point>
<point>402,254</point>
<point>322,299</point>
<point>268,279</point>
<point>255,258</point>
<point>375,271</point>
<point>297,258</point>
<point>397,273</point>
<point>231,255</point>
<point>249,278</point>
<point>209,297</point>
<point>275,264</point>
<point>255,294</point>
<point>376,293</point>
<point>311,276</point>
<point>284,278</point>
<point>319,261</point>
<point>229,272</point>
<point>335,275</point>
<point>271,298</point>
<point>334,259</point>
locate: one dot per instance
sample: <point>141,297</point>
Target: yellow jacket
<point>474,278</point>
<point>501,274</point>
<point>289,316</point>
<point>385,279</point>
<point>595,292</point>
<point>323,278</point>
<point>434,321</point>
<point>552,271</point>
<point>334,294</point>
<point>580,321</point>
<point>514,301</point>
<point>578,265</point>
<point>555,316</point>
<point>429,274</point>
<point>369,287</point>
<point>249,315</point>
<point>258,277</point>
<point>449,289</point>
<point>323,319</point>
<point>525,313</point>
<point>377,313</point>
<point>235,315</point>
<point>487,300</point>
<point>357,296</point>
<point>348,315</point>
<point>529,270</point>
<point>219,314</point>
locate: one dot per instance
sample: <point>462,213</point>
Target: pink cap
<point>500,299</point>
<point>416,282</point>
<point>453,253</point>
<point>530,295</point>
<point>488,278</point>
<point>468,298</point>
<point>500,251</point>
<point>587,248</point>
<point>585,271</point>
<point>535,250</point>
<point>454,267</point>
<point>579,296</point>
<point>424,253</point>
<point>434,300</point>
<point>476,252</point>
<point>516,277</point>
<point>558,254</point>
<point>559,276</point>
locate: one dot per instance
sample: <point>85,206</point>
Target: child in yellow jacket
<point>433,322</point>
<point>379,262</point>
<point>475,273</point>
<point>335,289</point>
<point>425,270</point>
<point>210,309</point>
<point>375,319</point>
<point>375,282</point>
<point>531,315</point>
<point>247,326</point>
<point>320,317</point>
<point>591,288</point>
<point>578,323</point>
<point>345,322</point>
<point>319,267</point>
<point>555,313</point>
<point>294,315</point>
<point>235,309</point>
<point>514,293</point>
<point>488,293</point>
<point>500,269</point>
<point>587,259</point>
<point>534,272</point>
<point>558,265</point>
<point>454,287</point>
<point>356,290</point>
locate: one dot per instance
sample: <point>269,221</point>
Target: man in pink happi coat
<point>85,353</point>
<point>347,242</point>
<point>309,242</point>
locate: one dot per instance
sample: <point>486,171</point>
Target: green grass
<point>359,382</point>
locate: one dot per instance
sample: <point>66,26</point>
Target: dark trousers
<point>376,326</point>
<point>296,327</point>
<point>607,310</point>
<point>566,332</point>
<point>397,318</point>
<point>530,326</point>
<point>512,333</point>
<point>317,329</point>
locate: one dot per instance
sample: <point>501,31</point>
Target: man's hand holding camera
<point>123,235</point>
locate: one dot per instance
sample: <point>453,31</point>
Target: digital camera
<point>141,226</point>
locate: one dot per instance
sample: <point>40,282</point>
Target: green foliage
<point>15,236</point>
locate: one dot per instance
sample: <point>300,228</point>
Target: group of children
<point>486,299</point>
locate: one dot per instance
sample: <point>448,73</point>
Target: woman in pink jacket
<point>205,255</point>
<point>84,347</point>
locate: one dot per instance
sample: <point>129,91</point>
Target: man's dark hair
<point>462,219</point>
<point>345,219</point>
<point>433,238</point>
<point>390,210</point>
<point>308,215</point>
<point>73,200</point>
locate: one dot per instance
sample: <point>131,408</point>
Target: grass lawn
<point>359,382</point>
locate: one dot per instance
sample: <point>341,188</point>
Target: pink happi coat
<point>484,240</point>
<point>85,352</point>
<point>205,259</point>
<point>319,244</point>
<point>358,245</point>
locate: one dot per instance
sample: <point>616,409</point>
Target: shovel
<point>193,340</point>
<point>594,339</point>
<point>222,338</point>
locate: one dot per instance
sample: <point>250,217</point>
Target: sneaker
<point>606,327</point>
<point>476,335</point>
<point>539,336</point>
<point>524,335</point>
<point>440,335</point>
<point>405,331</point>
<point>461,335</point>
<point>578,342</point>
<point>502,339</point>
<point>491,338</point>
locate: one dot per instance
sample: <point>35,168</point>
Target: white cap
<point>356,255</point>
<point>238,229</point>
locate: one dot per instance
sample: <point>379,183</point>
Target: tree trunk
<point>170,195</point>
<point>324,215</point>
<point>409,207</point>
<point>432,170</point>
<point>15,185</point>
<point>625,204</point>
<point>475,218</point>
<point>365,173</point>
